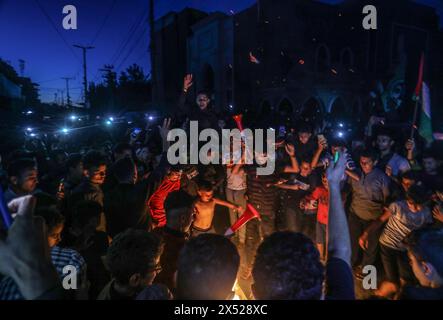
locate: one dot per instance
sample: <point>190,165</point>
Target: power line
<point>51,88</point>
<point>45,81</point>
<point>142,55</point>
<point>131,50</point>
<point>132,32</point>
<point>126,40</point>
<point>104,22</point>
<point>55,28</point>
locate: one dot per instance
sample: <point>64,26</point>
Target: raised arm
<point>294,167</point>
<point>282,185</point>
<point>164,130</point>
<point>25,254</point>
<point>339,244</point>
<point>321,146</point>
<point>187,83</point>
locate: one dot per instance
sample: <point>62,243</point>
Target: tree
<point>29,90</point>
<point>132,90</point>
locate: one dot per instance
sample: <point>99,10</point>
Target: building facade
<point>316,59</point>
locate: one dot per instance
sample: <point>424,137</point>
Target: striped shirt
<point>401,223</point>
<point>61,257</point>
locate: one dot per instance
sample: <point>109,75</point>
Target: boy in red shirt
<point>321,196</point>
<point>157,200</point>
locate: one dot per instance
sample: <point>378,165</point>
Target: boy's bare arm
<point>227,204</point>
<point>287,186</point>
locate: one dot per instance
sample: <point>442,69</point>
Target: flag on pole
<point>420,77</point>
<point>425,125</point>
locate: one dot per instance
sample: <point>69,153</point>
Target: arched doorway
<point>285,112</point>
<point>312,112</point>
<point>338,111</point>
<point>285,108</point>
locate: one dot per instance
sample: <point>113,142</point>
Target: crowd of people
<point>125,224</point>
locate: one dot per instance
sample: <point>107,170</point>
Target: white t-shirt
<point>236,181</point>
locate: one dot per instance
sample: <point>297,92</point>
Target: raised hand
<point>322,144</point>
<point>187,82</point>
<point>437,213</point>
<point>410,145</point>
<point>290,149</point>
<point>336,171</point>
<point>164,128</point>
<point>25,252</point>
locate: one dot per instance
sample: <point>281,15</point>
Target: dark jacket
<point>173,242</point>
<point>206,118</point>
<point>262,197</point>
<point>109,293</point>
<point>125,208</point>
<point>370,194</point>
<point>87,191</point>
<point>421,293</point>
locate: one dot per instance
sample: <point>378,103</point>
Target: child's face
<point>304,137</point>
<point>174,176</point>
<point>27,181</point>
<point>430,165</point>
<point>205,196</point>
<point>139,282</point>
<point>407,183</point>
<point>54,236</point>
<point>367,164</point>
<point>305,169</point>
<point>384,143</point>
<point>414,207</point>
<point>97,175</point>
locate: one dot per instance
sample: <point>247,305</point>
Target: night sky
<point>26,33</point>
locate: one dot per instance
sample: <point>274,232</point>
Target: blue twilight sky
<point>32,30</point>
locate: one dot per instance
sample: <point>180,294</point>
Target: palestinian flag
<point>425,124</point>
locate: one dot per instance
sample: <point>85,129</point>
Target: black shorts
<point>195,231</point>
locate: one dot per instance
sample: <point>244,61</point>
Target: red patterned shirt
<point>157,200</point>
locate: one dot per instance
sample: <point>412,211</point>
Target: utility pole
<point>85,77</point>
<point>68,97</point>
<point>62,97</point>
<point>21,63</point>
